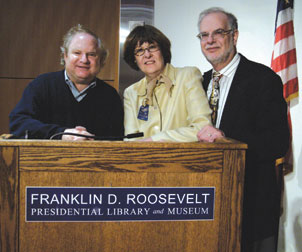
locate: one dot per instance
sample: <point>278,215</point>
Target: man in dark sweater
<point>72,100</point>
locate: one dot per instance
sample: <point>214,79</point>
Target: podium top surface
<point>221,144</point>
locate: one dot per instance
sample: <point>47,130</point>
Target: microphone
<point>104,138</point>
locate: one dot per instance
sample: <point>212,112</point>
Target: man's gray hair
<point>232,20</point>
<point>102,52</point>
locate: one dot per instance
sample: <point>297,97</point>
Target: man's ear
<point>235,36</point>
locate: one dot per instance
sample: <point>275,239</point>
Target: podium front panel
<point>124,165</point>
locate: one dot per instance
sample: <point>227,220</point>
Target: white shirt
<point>225,82</point>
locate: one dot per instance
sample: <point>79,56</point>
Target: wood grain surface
<point>123,164</point>
<point>9,199</point>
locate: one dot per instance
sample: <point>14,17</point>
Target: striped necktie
<point>214,98</point>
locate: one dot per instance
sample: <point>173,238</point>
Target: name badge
<point>143,113</point>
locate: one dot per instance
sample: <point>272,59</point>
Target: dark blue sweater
<point>48,107</point>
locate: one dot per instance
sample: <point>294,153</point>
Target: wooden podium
<point>46,163</point>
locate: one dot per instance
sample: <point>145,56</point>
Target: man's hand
<point>209,134</point>
<point>78,130</point>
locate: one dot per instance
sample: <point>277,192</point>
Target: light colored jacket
<point>177,114</point>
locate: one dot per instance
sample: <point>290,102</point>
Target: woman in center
<point>169,103</point>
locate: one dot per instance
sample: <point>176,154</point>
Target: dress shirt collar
<point>78,95</point>
<point>228,69</point>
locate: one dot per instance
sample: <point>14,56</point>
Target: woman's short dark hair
<point>149,34</point>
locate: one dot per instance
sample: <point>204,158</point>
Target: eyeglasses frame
<point>224,32</point>
<point>147,49</point>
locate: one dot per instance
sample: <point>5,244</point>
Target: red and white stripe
<point>284,60</point>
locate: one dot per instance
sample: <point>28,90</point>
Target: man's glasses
<point>218,34</point>
<point>141,51</point>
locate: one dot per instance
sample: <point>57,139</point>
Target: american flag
<point>284,61</point>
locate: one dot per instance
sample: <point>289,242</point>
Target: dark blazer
<point>256,113</point>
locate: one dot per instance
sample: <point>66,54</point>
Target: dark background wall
<point>31,34</point>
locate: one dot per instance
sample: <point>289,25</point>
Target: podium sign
<point>120,196</point>
<point>119,204</point>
